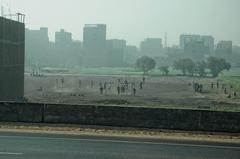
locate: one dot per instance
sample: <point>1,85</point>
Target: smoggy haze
<point>135,20</point>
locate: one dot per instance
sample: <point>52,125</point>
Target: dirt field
<point>171,92</point>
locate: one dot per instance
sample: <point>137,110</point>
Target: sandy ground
<point>171,92</point>
<point>62,129</point>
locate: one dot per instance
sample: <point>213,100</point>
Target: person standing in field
<point>134,91</point>
<point>118,89</point>
<point>101,90</point>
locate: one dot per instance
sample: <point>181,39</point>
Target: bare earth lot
<point>170,92</point>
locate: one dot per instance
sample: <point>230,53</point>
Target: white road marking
<point>125,141</point>
<point>11,153</point>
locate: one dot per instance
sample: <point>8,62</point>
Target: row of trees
<point>187,66</point>
<point>214,66</point>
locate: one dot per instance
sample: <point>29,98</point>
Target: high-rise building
<point>12,41</point>
<point>151,47</point>
<point>130,54</point>
<point>40,52</point>
<point>94,45</point>
<point>236,49</point>
<point>116,43</point>
<point>195,50</point>
<point>207,41</point>
<point>37,46</point>
<point>67,50</point>
<point>115,49</point>
<point>63,38</point>
<point>224,48</point>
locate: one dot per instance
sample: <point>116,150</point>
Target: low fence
<point>157,118</point>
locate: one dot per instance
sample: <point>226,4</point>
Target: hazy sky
<point>135,20</point>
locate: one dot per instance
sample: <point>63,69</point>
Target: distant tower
<point>165,39</point>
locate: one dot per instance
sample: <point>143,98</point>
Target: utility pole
<point>165,44</point>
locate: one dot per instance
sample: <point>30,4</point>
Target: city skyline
<point>215,42</point>
<point>135,21</point>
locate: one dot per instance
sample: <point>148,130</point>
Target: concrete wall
<point>21,112</point>
<point>12,41</point>
<point>175,119</point>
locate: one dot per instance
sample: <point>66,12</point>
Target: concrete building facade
<point>206,41</point>
<point>224,49</point>
<point>115,52</point>
<point>151,47</point>
<point>12,45</point>
<point>37,47</point>
<point>63,38</point>
<point>94,45</point>
<point>67,51</point>
<point>130,54</point>
<point>41,52</point>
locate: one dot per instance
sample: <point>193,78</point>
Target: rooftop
<point>95,25</point>
<point>19,17</point>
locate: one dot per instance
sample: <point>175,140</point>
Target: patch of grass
<point>108,71</point>
<point>232,80</point>
<point>232,72</point>
<point>232,77</point>
<point>120,71</point>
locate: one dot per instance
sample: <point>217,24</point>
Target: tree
<point>185,65</point>
<point>217,65</point>
<point>164,70</point>
<point>190,66</point>
<point>201,67</point>
<point>145,64</point>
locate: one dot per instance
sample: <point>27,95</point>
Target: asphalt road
<point>38,146</point>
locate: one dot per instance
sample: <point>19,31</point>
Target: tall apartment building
<point>37,46</point>
<point>130,54</point>
<point>151,47</point>
<point>115,50</point>
<point>206,41</point>
<point>67,51</point>
<point>94,45</point>
<point>224,48</point>
<point>63,38</point>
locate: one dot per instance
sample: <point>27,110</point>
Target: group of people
<point>120,86</point>
<point>197,87</point>
<point>36,74</point>
<point>123,87</point>
<point>225,89</point>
